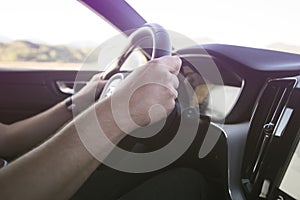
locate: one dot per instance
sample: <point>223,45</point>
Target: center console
<point>271,164</point>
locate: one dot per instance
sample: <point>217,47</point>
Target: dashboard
<point>255,143</point>
<point>247,145</point>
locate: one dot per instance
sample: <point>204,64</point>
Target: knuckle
<point>154,61</point>
<point>170,105</point>
<point>177,60</point>
<point>170,93</point>
<point>154,66</point>
<point>175,81</point>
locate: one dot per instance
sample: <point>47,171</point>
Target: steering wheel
<point>152,39</point>
<point>155,42</point>
<point>141,151</point>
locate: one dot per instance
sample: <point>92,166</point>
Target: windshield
<point>269,24</point>
<point>52,34</point>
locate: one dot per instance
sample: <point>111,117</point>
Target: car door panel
<point>25,93</point>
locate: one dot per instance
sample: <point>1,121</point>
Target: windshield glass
<point>52,34</point>
<point>269,24</point>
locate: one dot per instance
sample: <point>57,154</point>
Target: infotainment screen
<point>290,181</point>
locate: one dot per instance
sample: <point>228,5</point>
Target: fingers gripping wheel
<point>157,81</point>
<point>154,41</point>
<point>111,85</point>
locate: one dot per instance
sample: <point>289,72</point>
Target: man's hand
<point>89,93</point>
<point>147,95</point>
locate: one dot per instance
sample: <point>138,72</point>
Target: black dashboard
<point>260,135</point>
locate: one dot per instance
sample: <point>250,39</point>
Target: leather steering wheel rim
<point>157,42</point>
<point>153,39</point>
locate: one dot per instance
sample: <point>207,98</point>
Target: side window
<point>51,35</point>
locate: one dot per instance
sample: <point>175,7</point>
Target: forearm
<point>21,136</point>
<point>43,172</point>
<point>57,168</point>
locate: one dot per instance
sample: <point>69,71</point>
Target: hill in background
<point>285,47</point>
<point>25,51</point>
<point>20,50</point>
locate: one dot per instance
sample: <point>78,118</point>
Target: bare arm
<point>57,168</point>
<point>59,164</point>
<point>18,138</point>
<point>21,136</point>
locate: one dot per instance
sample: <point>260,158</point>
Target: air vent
<point>268,110</point>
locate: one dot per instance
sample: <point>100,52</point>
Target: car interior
<point>243,101</point>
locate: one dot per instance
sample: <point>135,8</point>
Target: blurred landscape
<point>33,55</point>
<point>25,54</point>
<point>284,47</point>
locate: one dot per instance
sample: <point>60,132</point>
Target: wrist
<point>69,103</point>
<point>78,103</point>
<point>107,120</point>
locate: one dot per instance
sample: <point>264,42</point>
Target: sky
<point>251,23</point>
<point>52,22</point>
